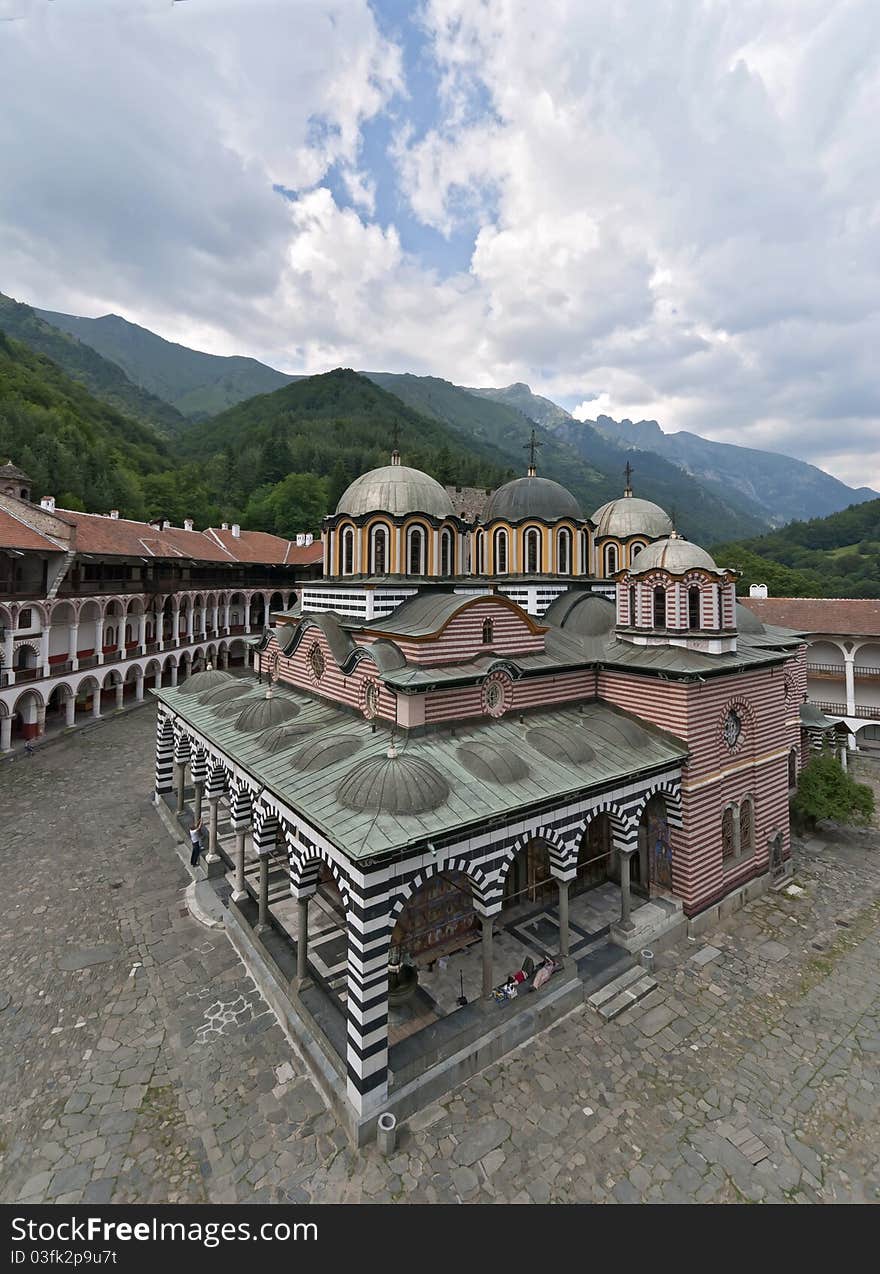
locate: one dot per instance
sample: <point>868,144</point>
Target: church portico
<point>450,898</point>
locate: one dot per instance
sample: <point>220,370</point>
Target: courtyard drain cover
<point>749,1145</point>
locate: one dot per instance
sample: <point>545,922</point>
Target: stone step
<point>615,986</point>
<point>622,993</point>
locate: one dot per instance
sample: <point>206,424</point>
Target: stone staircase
<point>622,993</point>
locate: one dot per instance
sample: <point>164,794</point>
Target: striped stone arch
<point>32,642</point>
<point>672,794</point>
<point>241,807</point>
<point>483,890</point>
<point>562,855</point>
<point>625,827</point>
<point>217,780</point>
<point>305,865</point>
<point>198,764</point>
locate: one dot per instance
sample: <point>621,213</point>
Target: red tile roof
<point>118,536</point>
<point>842,616</point>
<point>260,546</point>
<point>15,534</point>
<point>101,536</point>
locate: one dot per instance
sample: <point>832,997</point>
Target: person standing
<point>195,836</point>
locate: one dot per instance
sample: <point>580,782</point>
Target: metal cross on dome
<point>532,448</point>
<point>629,471</point>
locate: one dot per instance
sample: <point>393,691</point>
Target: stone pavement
<point>138,1063</point>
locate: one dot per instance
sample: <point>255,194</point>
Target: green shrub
<point>825,790</point>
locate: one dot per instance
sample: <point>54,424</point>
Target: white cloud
<point>674,207</point>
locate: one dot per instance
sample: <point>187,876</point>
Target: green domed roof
<point>209,679</point>
<point>492,762</point>
<point>225,693</point>
<point>395,489</point>
<point>568,744</point>
<point>268,711</point>
<point>393,784</point>
<point>532,497</point>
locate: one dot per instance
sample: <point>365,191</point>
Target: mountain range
<point>210,404</point>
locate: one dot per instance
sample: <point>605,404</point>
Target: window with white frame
<point>416,550</point>
<point>563,552</point>
<point>500,552</point>
<point>533,551</point>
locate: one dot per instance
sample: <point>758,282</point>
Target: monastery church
<point>471,739</point>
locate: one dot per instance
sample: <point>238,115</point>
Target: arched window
<point>792,768</point>
<point>416,554</point>
<point>746,826</point>
<point>488,632</point>
<point>447,547</point>
<point>728,835</point>
<point>635,551</point>
<point>584,566</point>
<point>533,551</point>
<point>694,597</point>
<point>610,559</point>
<point>348,551</point>
<point>659,607</point>
<point>481,552</point>
<point>379,550</point>
<point>500,552</point>
<point>633,605</point>
<point>563,552</point>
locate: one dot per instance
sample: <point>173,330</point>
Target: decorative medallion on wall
<point>497,694</point>
<point>370,698</point>
<point>731,729</point>
<point>316,662</point>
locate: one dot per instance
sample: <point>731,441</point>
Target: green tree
<point>825,790</point>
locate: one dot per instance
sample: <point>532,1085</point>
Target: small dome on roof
<point>326,752</point>
<point>568,744</point>
<point>673,554</point>
<point>492,762</point>
<point>210,679</point>
<point>747,621</point>
<point>268,711</point>
<point>395,489</point>
<point>591,616</point>
<point>223,694</point>
<point>532,497</point>
<point>393,784</point>
<point>628,515</point>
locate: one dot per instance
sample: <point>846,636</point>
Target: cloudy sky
<point>651,208</point>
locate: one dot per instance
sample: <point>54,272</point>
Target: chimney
<point>309,539</point>
<point>187,524</point>
<point>48,503</point>
<point>166,523</point>
<point>224,526</point>
<point>236,531</point>
<point>300,539</point>
<point>758,590</point>
<point>114,513</point>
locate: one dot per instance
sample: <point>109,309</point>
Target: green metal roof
<point>622,747</point>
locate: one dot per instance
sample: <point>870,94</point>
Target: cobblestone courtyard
<point>139,1064</point>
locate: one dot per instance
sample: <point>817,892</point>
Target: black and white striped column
<point>164,756</point>
<point>369,939</point>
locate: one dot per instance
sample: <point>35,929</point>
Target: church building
<point>541,730</point>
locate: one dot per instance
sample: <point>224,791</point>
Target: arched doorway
<point>27,717</point>
<point>597,857</point>
<point>529,880</point>
<point>438,918</point>
<point>652,865</point>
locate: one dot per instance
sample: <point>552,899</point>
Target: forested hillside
<point>837,556</point>
<point>100,377</point>
<point>195,383</point>
<point>74,447</point>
